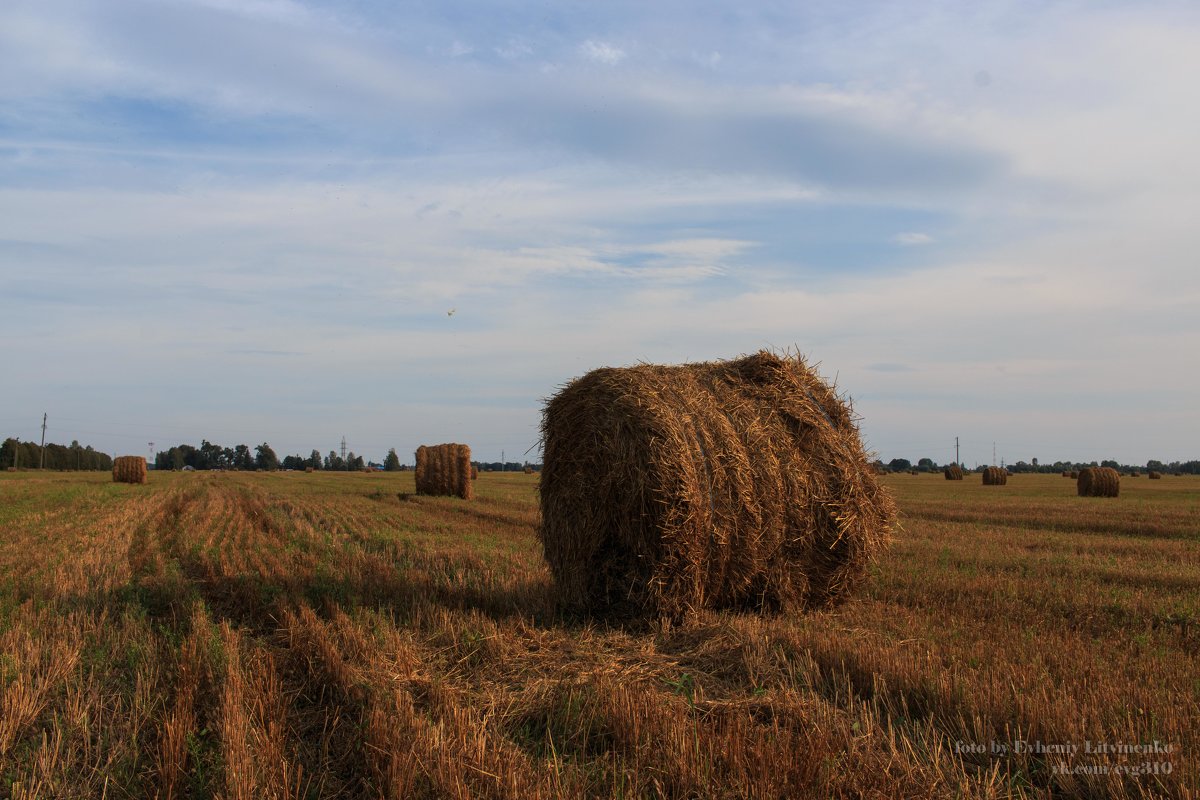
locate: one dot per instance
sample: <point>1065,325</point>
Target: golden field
<point>245,635</point>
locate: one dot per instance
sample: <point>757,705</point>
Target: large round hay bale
<point>953,472</point>
<point>994,476</point>
<point>1098,482</point>
<point>1066,474</point>
<point>726,484</point>
<point>444,469</point>
<point>129,469</point>
<point>1155,476</point>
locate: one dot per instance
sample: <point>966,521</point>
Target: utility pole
<point>956,461</point>
<point>343,448</point>
<point>42,448</point>
<point>16,452</point>
<point>993,454</point>
<point>503,463</point>
<point>150,461</point>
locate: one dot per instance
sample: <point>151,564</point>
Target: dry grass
<point>250,635</point>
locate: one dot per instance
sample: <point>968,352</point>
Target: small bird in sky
<point>450,313</point>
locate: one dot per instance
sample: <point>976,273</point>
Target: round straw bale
<point>1135,474</point>
<point>726,484</point>
<point>1074,475</point>
<point>1066,474</point>
<point>1155,476</point>
<point>129,469</point>
<point>444,469</point>
<point>994,476</point>
<point>1098,482</point>
<point>953,472</point>
<point>528,470</point>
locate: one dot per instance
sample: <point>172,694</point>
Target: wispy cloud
<point>912,238</point>
<point>602,52</point>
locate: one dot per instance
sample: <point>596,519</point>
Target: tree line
<point>241,457</point>
<point>1153,465</point>
<point>28,455</point>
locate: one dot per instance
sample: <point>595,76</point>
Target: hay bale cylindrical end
<point>727,484</point>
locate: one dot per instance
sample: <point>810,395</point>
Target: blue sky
<point>247,220</point>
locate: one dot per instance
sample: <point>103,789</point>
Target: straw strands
<point>444,469</point>
<point>725,484</point>
<point>1098,482</point>
<point>129,469</point>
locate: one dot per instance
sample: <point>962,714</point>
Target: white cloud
<point>912,238</point>
<point>602,52</point>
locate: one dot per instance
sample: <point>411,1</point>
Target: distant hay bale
<point>994,476</point>
<point>129,469</point>
<point>308,469</point>
<point>1099,482</point>
<point>1074,475</point>
<point>914,472</point>
<point>474,472</point>
<point>1066,474</point>
<point>444,469</point>
<point>1177,474</point>
<point>725,484</point>
<point>1135,474</point>
<point>953,472</point>
<point>1155,476</point>
<point>529,470</point>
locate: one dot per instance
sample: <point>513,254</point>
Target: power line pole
<point>42,448</point>
<point>993,454</point>
<point>956,461</point>
<point>503,463</point>
<point>343,448</point>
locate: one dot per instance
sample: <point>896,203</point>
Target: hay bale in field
<point>308,469</point>
<point>1066,474</point>
<point>444,469</point>
<point>474,472</point>
<point>1135,474</point>
<point>1155,476</point>
<point>953,472</point>
<point>1074,475</point>
<point>1099,482</point>
<point>994,476</point>
<point>129,469</point>
<point>1176,474</point>
<point>528,470</point>
<point>914,472</point>
<point>725,484</point>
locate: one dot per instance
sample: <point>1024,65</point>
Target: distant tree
<point>899,465</point>
<point>1156,465</point>
<point>354,462</point>
<point>392,462</point>
<point>926,464</point>
<point>242,459</point>
<point>266,458</point>
<point>293,462</point>
<point>314,460</point>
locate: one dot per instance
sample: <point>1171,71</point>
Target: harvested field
<point>254,635</point>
